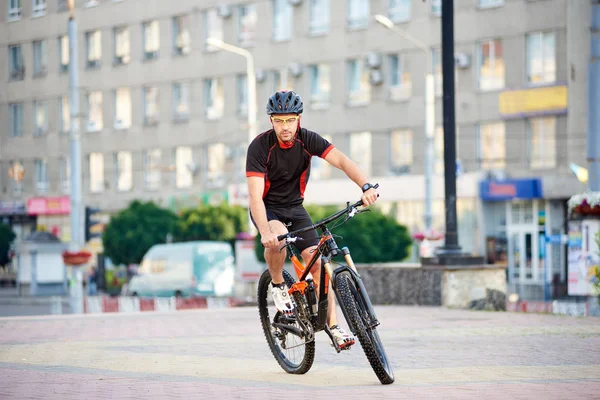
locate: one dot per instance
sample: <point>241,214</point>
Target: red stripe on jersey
<point>303,181</point>
<point>258,174</point>
<point>327,150</point>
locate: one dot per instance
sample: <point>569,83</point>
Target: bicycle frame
<point>327,249</point>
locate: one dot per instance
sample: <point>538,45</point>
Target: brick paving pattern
<point>221,354</point>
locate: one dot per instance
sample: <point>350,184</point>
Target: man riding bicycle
<point>278,168</point>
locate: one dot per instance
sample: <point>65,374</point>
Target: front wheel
<point>293,353</point>
<point>369,338</point>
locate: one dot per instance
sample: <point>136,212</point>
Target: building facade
<point>163,114</point>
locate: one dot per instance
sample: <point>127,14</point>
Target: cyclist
<point>278,168</point>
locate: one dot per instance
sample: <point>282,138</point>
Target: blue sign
<point>509,189</point>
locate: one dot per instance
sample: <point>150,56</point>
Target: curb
<point>107,304</point>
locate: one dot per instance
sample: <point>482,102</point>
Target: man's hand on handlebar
<point>269,240</point>
<point>370,196</point>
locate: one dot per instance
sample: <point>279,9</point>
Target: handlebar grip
<point>281,237</point>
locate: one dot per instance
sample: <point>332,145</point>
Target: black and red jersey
<point>285,167</point>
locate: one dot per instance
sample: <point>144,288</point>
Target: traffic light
<point>93,226</point>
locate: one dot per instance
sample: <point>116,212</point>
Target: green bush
<point>7,236</point>
<point>220,222</point>
<point>131,232</point>
<point>371,236</point>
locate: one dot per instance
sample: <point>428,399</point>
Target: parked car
<point>200,268</point>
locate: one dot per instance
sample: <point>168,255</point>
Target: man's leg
<point>316,273</point>
<point>275,258</point>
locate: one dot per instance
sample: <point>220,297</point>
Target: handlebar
<point>324,221</point>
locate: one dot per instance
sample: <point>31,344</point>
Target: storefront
<point>525,232</point>
<point>14,214</point>
<point>53,215</point>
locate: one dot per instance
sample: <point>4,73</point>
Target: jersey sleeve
<point>316,144</point>
<point>256,160</point>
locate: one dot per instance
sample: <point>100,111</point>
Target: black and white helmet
<point>285,102</point>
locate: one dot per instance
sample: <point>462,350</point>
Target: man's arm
<point>339,160</point>
<point>256,187</point>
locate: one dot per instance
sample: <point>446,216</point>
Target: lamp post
<point>252,105</point>
<point>429,112</point>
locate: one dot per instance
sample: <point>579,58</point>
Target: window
<point>320,85</point>
<point>151,35</point>
<point>359,88</point>
<point>150,105</point>
<point>282,20</point>
<point>16,119</point>
<point>40,110</point>
<point>400,80</point>
<point>436,59</point>
<point>65,175</point>
<point>181,101</point>
<point>492,146</point>
<point>438,150</point>
<point>94,111</point>
<point>319,17</point>
<point>213,98</point>
<point>63,53</point>
<point>123,171</point>
<point>491,65</point>
<point>247,24</point>
<point>14,10</point>
<point>41,175</point>
<point>40,65</point>
<point>242,97</point>
<point>360,150</point>
<point>280,80</point>
<point>183,162</point>
<point>490,3</point>
<point>182,41</point>
<point>319,168</point>
<point>39,8</point>
<point>122,108</point>
<point>358,14</point>
<point>399,10</point>
<point>122,46</point>
<point>436,7</point>
<point>93,42</point>
<point>65,117</point>
<point>401,151</point>
<point>152,171</point>
<point>17,68</point>
<point>216,163</point>
<point>542,142</point>
<point>541,57</point>
<point>213,27</point>
<point>96,165</point>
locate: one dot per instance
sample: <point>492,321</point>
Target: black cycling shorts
<point>294,218</point>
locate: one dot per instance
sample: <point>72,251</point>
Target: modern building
<point>164,113</point>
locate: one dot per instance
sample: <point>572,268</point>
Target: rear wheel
<point>368,337</point>
<point>293,353</point>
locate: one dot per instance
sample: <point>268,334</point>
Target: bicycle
<point>287,333</point>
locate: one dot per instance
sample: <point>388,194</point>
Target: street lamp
<point>251,82</point>
<point>429,111</point>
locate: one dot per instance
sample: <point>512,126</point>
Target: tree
<point>130,233</point>
<point>7,236</point>
<point>371,237</point>
<point>222,222</point>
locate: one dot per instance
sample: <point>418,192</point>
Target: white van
<point>201,268</point>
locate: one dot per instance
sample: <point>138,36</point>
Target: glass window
<point>436,59</point>
<point>41,176</point>
<point>16,119</point>
<point>282,20</point>
<point>491,65</point>
<point>182,40</point>
<point>96,163</point>
<point>40,109</point>
<point>123,171</point>
<point>319,168</point>
<point>94,111</point>
<point>214,98</point>
<point>122,108</point>
<point>151,32</point>
<point>319,17</point>
<point>181,101</point>
<point>399,10</point>
<point>65,115</point>
<point>17,67</point>
<point>242,97</point>
<point>248,18</point>
<point>183,162</point>
<point>541,57</point>
<point>40,64</point>
<point>39,8</point>
<point>360,150</point>
<point>65,175</point>
<point>320,85</point>
<point>400,79</point>
<point>93,42</point>
<point>358,14</point>
<point>436,7</point>
<point>401,151</point>
<point>359,87</point>
<point>152,170</point>
<point>492,146</point>
<point>216,161</point>
<point>213,27</point>
<point>63,51</point>
<point>490,3</point>
<point>542,142</point>
<point>150,105</point>
<point>14,10</point>
<point>122,46</point>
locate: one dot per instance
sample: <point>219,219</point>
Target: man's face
<point>285,126</point>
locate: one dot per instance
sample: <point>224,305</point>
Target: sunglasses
<point>285,121</point>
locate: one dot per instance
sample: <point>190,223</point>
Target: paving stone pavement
<point>436,353</point>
